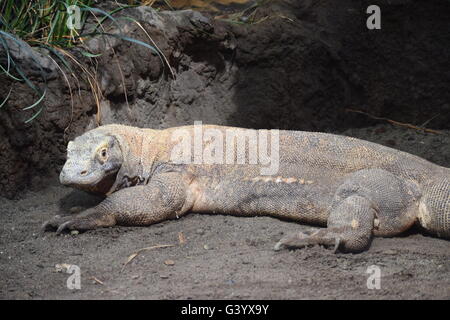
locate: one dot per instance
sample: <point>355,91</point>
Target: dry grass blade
<point>134,255</point>
<point>93,82</point>
<point>96,280</point>
<point>116,58</point>
<point>70,91</point>
<point>402,124</point>
<point>160,51</point>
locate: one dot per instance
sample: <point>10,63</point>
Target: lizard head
<point>434,209</point>
<point>93,161</point>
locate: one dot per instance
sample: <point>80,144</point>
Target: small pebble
<point>74,232</point>
<point>163,276</point>
<point>169,262</point>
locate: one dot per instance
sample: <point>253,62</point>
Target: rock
<point>169,262</point>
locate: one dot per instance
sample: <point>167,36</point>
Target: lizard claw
<point>297,240</point>
<point>54,222</point>
<point>60,223</point>
<point>336,244</point>
<point>302,240</point>
<point>64,226</point>
<point>47,225</point>
<point>79,224</point>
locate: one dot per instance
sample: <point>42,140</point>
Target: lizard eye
<point>103,153</point>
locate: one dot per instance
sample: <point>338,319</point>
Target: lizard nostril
<point>83,173</point>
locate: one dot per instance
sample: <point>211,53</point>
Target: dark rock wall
<point>299,67</point>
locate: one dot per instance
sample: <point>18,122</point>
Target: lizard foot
<point>79,224</point>
<point>62,223</point>
<point>55,222</point>
<point>87,220</point>
<point>302,240</point>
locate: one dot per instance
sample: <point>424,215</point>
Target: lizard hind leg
<point>349,228</point>
<point>369,202</point>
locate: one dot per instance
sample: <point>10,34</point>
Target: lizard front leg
<point>164,197</point>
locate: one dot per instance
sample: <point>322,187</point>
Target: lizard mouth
<point>104,184</point>
<point>95,183</point>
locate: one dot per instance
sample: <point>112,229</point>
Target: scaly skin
<point>357,189</point>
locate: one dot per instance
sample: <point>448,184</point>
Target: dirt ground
<point>223,257</point>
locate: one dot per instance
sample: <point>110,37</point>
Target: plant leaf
<point>37,102</point>
<point>90,55</point>
<point>6,99</point>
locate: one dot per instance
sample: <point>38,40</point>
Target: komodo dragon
<point>357,189</point>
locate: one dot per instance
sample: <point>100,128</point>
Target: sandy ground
<point>223,257</point>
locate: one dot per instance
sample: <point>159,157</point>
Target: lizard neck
<point>135,144</point>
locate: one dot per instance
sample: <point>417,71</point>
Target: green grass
<point>41,21</point>
<point>32,24</point>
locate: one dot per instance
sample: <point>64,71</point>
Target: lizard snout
<point>63,177</point>
<point>70,173</point>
